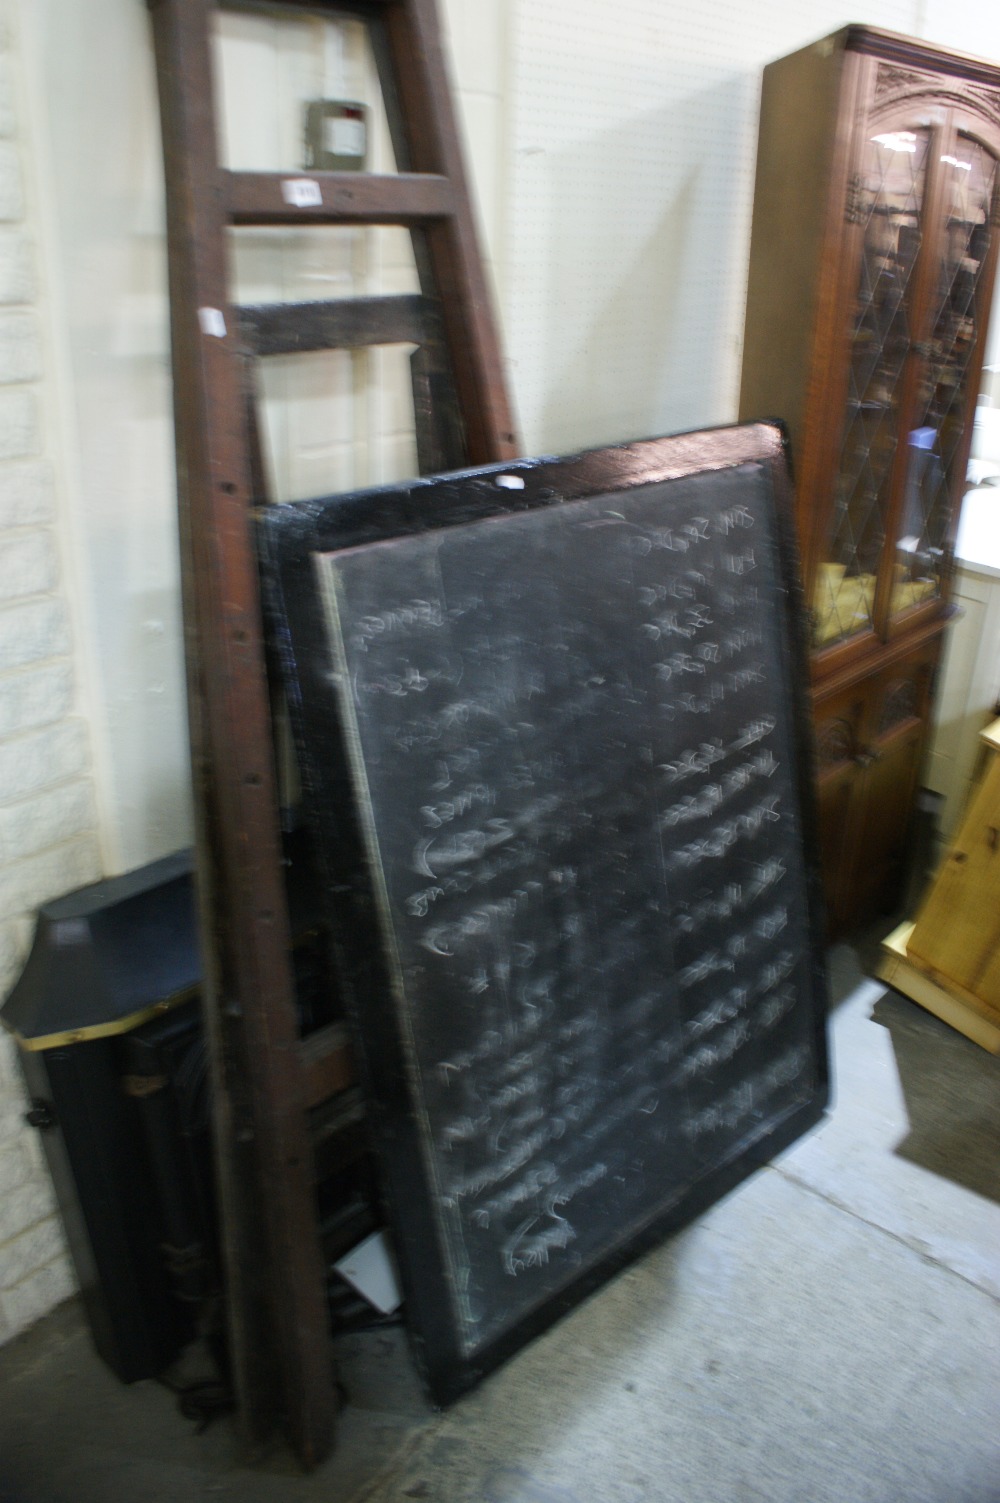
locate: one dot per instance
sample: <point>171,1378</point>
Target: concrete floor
<point>830,1333</point>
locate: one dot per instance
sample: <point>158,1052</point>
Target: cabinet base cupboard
<point>873,255</point>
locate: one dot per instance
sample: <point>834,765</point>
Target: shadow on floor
<point>954,1109</point>
<point>950,1086</point>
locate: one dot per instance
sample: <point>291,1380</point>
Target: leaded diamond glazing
<point>935,442</point>
<point>891,204</point>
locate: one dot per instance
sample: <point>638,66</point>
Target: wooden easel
<point>265,1077</point>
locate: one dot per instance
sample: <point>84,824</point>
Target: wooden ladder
<point>266,1077</point>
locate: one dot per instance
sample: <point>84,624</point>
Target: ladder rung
<point>339,1133</point>
<point>407,198</point>
<point>359,10</point>
<point>344,324</point>
<point>327,1066</point>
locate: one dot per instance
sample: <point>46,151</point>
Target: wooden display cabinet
<point>873,256</point>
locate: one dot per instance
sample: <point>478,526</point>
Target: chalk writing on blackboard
<point>569,731</point>
<point>551,738</point>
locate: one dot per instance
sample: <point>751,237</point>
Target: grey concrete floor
<point>830,1333</point>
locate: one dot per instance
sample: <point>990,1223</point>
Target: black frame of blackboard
<point>290,538</point>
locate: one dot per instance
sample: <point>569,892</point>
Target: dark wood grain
<point>327,1064</point>
<point>347,324</point>
<point>279,1348</point>
<point>406,198</point>
<point>913,52</point>
<point>362,10</point>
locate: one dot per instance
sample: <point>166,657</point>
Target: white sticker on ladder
<point>301,192</point>
<point>212,322</point>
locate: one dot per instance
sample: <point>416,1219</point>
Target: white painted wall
<point>633,151</point>
<point>49,840</point>
<point>94,115</point>
<point>611,148</point>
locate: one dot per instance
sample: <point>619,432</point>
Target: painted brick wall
<point>48,844</point>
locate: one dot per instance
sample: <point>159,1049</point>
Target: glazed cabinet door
<point>868,304</point>
<point>919,253</point>
<point>886,209</point>
<point>948,359</point>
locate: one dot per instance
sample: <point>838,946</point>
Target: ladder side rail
<point>275,1292</point>
<point>407,198</point>
<point>424,133</point>
<point>437,419</point>
<point>342,324</point>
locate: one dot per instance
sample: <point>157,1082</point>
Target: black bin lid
<point>108,957</point>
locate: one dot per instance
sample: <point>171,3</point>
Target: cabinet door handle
<point>866,756</point>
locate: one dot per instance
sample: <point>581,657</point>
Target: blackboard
<point>553,737</point>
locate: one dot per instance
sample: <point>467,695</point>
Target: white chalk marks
<point>575,731</point>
